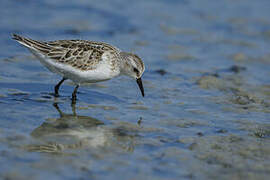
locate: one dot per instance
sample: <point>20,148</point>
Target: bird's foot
<point>73,99</point>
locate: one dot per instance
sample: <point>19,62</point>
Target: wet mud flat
<point>206,110</point>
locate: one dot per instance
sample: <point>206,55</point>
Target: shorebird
<point>84,61</point>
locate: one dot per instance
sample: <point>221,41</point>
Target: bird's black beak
<point>139,82</point>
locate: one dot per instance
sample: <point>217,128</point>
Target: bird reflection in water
<point>72,131</point>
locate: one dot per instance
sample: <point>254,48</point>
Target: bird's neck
<point>124,62</point>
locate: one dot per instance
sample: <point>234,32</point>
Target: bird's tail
<point>17,37</point>
<point>32,44</point>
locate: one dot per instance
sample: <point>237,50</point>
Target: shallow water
<point>206,110</point>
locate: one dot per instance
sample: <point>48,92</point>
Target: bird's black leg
<point>56,88</point>
<point>74,97</point>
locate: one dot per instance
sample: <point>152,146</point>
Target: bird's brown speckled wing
<point>81,54</point>
<point>84,55</point>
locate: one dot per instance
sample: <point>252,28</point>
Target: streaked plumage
<point>84,61</point>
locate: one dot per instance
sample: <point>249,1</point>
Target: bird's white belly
<point>102,72</point>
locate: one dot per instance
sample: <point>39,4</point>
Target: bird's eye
<point>136,70</point>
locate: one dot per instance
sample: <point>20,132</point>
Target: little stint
<point>84,61</point>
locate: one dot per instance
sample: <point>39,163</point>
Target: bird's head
<point>133,67</point>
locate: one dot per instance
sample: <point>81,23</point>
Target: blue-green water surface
<point>206,110</point>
